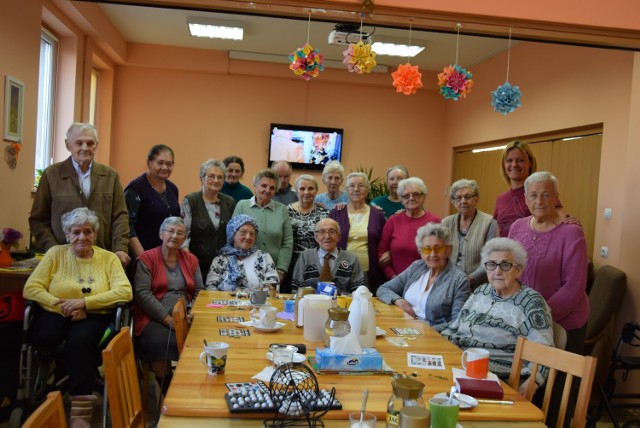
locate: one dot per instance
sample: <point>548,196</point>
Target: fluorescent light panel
<point>215,29</point>
<point>393,49</point>
<point>488,149</point>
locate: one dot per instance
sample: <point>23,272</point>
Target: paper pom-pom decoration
<point>359,58</point>
<point>506,98</point>
<point>306,62</point>
<point>407,79</point>
<point>455,82</point>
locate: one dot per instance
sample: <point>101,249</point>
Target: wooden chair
<point>557,360</point>
<point>49,414</point>
<point>180,323</point>
<point>121,377</point>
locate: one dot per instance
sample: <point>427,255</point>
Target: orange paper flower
<point>407,79</point>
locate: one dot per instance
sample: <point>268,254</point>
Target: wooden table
<point>13,280</point>
<point>195,394</point>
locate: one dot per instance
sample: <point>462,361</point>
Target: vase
<point>5,255</point>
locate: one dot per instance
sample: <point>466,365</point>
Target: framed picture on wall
<point>13,109</point>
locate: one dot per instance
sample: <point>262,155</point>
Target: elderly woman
<point>304,215</point>
<point>150,199</point>
<point>470,229</point>
<point>557,257</point>
<point>396,250</point>
<point>361,228</point>
<point>206,214</point>
<point>163,275</point>
<point>500,311</point>
<point>276,237</point>
<point>392,203</point>
<point>240,263</point>
<point>431,289</point>
<point>232,186</point>
<point>332,177</point>
<point>77,285</point>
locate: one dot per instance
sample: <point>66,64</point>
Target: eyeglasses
<point>466,197</point>
<point>173,232</point>
<point>504,266</point>
<point>414,195</point>
<point>438,249</point>
<point>332,233</point>
<point>213,177</point>
<point>249,233</point>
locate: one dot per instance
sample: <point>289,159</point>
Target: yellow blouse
<point>357,243</point>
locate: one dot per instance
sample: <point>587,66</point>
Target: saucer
<point>380,332</point>
<point>297,358</point>
<point>259,327</point>
<point>465,401</point>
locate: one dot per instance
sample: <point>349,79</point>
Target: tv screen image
<point>305,147</point>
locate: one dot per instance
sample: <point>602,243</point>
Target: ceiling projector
<point>344,34</point>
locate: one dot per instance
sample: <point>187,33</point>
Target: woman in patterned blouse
<point>239,263</point>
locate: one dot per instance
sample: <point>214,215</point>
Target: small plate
<point>297,358</point>
<point>380,332</point>
<point>466,401</point>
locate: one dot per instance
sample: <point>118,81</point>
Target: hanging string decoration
<point>306,61</point>
<point>407,78</point>
<point>455,81</point>
<point>506,98</point>
<point>358,57</point>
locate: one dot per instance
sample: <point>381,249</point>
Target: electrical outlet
<point>604,252</point>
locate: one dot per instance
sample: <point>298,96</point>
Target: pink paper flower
<point>455,82</point>
<point>306,62</point>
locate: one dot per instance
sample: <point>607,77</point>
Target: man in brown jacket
<point>81,182</point>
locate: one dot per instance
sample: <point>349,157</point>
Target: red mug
<point>476,362</point>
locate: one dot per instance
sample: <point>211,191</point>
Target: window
<point>93,103</point>
<point>46,104</point>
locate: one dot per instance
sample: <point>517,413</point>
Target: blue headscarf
<point>236,276</point>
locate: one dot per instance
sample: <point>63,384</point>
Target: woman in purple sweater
<point>557,252</point>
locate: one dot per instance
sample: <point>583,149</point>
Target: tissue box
<point>369,360</point>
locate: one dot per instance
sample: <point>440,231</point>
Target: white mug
<point>214,357</point>
<point>268,316</point>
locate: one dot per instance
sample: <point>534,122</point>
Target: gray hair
<point>266,173</point>
<point>277,163</point>
<point>541,177</point>
<point>306,177</point>
<point>212,163</point>
<point>82,127</point>
<point>433,229</point>
<point>398,168</point>
<point>333,222</point>
<point>412,180</point>
<point>171,221</point>
<point>461,184</point>
<point>333,166</point>
<point>78,217</point>
<point>362,175</point>
<point>508,245</point>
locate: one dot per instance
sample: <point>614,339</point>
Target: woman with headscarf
<point>240,263</point>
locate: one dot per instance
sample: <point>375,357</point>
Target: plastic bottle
<point>406,393</point>
<point>302,291</point>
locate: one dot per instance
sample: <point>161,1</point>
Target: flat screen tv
<point>305,147</point>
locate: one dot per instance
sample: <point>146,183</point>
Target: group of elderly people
<point>477,289</point>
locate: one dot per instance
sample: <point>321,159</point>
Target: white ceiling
<point>279,37</point>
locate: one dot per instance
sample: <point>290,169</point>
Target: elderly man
<point>81,182</point>
<point>328,263</point>
<point>285,194</point>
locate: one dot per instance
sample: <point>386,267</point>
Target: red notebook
<point>480,388</point>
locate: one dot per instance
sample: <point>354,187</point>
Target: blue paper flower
<point>506,98</point>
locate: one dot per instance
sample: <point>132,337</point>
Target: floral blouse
<point>256,269</point>
<point>304,226</point>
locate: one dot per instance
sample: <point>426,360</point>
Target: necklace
<point>80,279</point>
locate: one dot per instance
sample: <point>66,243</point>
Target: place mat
<point>385,370</point>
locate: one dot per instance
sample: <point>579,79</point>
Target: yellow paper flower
<point>359,58</point>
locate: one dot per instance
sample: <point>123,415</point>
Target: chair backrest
<point>121,377</point>
<point>605,298</point>
<point>559,336</point>
<point>49,414</point>
<point>557,360</point>
<point>180,323</point>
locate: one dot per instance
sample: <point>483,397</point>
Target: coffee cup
<point>368,420</point>
<point>268,316</point>
<point>444,414</point>
<point>475,361</point>
<point>214,357</point>
<point>258,297</point>
<point>289,306</point>
<point>344,301</point>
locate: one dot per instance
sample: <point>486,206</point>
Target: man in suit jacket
<point>81,182</point>
<point>344,269</point>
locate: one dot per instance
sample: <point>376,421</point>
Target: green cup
<point>443,413</point>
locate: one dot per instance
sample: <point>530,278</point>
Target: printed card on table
<point>425,361</point>
<point>223,318</point>
<point>234,332</point>
<point>405,331</point>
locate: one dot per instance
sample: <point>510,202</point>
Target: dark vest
<point>206,241</point>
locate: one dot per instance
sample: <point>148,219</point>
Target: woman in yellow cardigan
<point>77,285</point>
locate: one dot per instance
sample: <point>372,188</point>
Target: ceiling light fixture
<point>390,47</point>
<point>214,28</point>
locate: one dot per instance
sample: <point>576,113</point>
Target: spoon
<point>205,343</point>
<point>451,394</point>
<point>365,395</point>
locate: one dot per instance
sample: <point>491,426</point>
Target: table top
<point>193,393</point>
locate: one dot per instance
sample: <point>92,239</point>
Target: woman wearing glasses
<point>396,250</point>
<point>431,289</point>
<point>499,312</point>
<point>470,229</point>
<point>361,228</point>
<point>206,214</point>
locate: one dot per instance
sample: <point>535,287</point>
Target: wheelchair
<point>40,369</point>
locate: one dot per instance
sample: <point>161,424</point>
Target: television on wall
<point>305,147</point>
